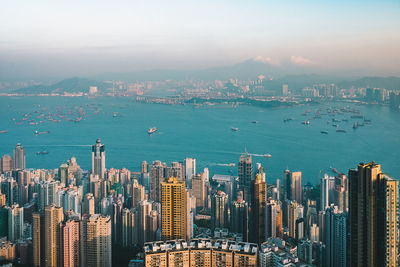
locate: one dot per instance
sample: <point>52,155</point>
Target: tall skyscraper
<point>327,191</point>
<point>295,212</point>
<point>258,199</point>
<point>144,167</point>
<point>199,189</point>
<point>53,216</point>
<point>240,218</point>
<point>138,193</point>
<point>157,174</point>
<point>70,244</point>
<point>271,218</point>
<point>176,170</point>
<point>47,193</point>
<point>297,189</point>
<point>219,210</point>
<point>173,209</point>
<point>15,222</point>
<point>37,241</point>
<point>63,174</point>
<point>293,189</point>
<point>373,217</point>
<point>19,157</point>
<point>6,164</point>
<point>245,175</point>
<point>190,171</point>
<point>96,241</point>
<point>335,237</point>
<point>99,159</point>
<point>88,206</point>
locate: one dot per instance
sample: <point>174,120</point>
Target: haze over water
<point>203,133</point>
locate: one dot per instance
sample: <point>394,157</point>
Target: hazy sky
<point>62,38</point>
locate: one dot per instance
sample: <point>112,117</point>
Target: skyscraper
<point>157,171</point>
<point>6,164</point>
<point>138,193</point>
<point>293,189</point>
<point>240,218</point>
<point>219,210</point>
<point>199,190</point>
<point>175,170</point>
<point>373,217</point>
<point>173,209</point>
<point>19,157</point>
<point>190,171</point>
<point>258,199</point>
<point>245,174</point>
<point>297,189</point>
<point>70,244</point>
<point>88,204</point>
<point>63,174</point>
<point>327,191</point>
<point>53,216</point>
<point>271,214</point>
<point>15,222</point>
<point>295,212</point>
<point>37,242</point>
<point>99,159</point>
<point>96,241</point>
<point>335,237</point>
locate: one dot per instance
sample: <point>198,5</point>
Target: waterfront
<point>203,133</point>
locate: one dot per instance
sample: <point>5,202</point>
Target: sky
<point>47,38</point>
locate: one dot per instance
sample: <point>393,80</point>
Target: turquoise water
<point>203,133</point>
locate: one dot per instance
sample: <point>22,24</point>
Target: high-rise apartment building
<point>157,174</point>
<point>199,189</point>
<point>6,164</point>
<point>295,212</point>
<point>53,216</point>
<point>19,157</point>
<point>99,159</point>
<point>335,237</point>
<point>173,209</point>
<point>15,222</point>
<point>220,210</point>
<point>70,243</point>
<point>176,170</point>
<point>373,217</point>
<point>240,218</point>
<point>293,189</point>
<point>245,170</point>
<point>327,191</point>
<point>258,200</point>
<point>190,171</point>
<point>96,241</point>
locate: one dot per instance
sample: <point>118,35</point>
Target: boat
<point>324,132</point>
<point>255,122</point>
<point>42,153</point>
<point>37,132</point>
<point>267,155</point>
<point>355,125</point>
<point>341,131</point>
<point>4,131</point>
<point>306,122</point>
<point>115,114</point>
<point>152,130</point>
<point>335,125</point>
<point>234,129</point>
